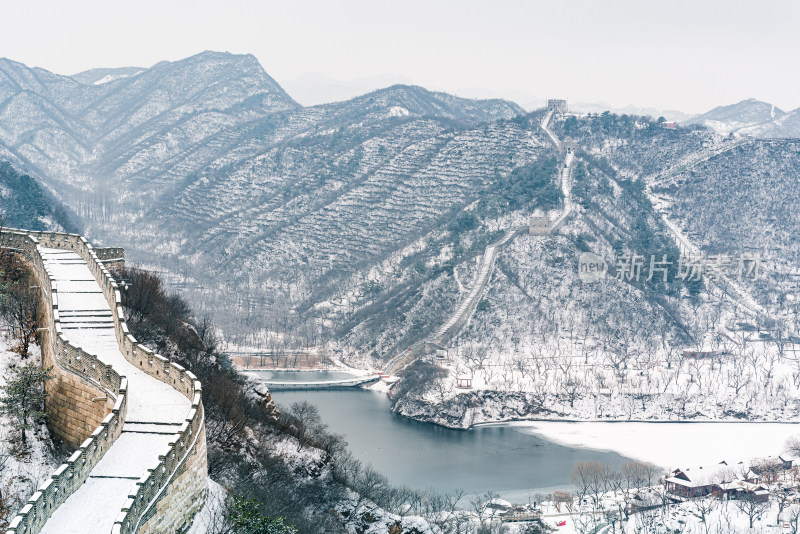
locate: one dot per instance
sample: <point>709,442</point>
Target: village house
<point>498,507</point>
<point>698,481</point>
<point>770,468</point>
<point>730,481</point>
<point>789,460</point>
<point>741,489</point>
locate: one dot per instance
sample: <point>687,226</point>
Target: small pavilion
<point>464,382</point>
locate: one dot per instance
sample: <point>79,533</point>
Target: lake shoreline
<point>412,452</point>
<point>481,406</point>
<point>424,456</point>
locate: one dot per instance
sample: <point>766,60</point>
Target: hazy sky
<point>688,55</point>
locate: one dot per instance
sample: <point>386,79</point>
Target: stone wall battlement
<point>184,454</point>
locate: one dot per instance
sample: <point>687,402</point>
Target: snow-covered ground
<point>21,475</point>
<point>670,445</point>
<point>95,505</point>
<point>212,516</point>
<point>725,517</point>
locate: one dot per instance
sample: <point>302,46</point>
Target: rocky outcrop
<point>475,407</point>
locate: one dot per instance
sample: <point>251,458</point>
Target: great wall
<point>135,418</point>
<point>464,311</point>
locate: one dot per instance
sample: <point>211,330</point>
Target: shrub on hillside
<point>19,303</point>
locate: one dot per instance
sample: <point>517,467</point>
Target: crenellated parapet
<point>173,489</point>
<point>66,359</point>
<point>112,257</point>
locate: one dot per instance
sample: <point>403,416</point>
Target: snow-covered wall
<point>77,373</point>
<point>171,492</point>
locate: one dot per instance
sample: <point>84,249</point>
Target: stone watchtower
<point>557,105</point>
<point>539,225</point>
<point>113,258</point>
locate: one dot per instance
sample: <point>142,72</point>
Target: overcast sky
<point>688,55</point>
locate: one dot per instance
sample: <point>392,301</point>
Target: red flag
<point>562,524</point>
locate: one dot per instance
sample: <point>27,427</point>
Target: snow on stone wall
<point>73,410</point>
<point>187,494</point>
<point>167,497</point>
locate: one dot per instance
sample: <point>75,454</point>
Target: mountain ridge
<point>261,209</point>
<point>749,117</point>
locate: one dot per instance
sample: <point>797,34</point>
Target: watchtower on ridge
<point>539,225</point>
<point>557,105</point>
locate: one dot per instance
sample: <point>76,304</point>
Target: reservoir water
<point>499,458</point>
<point>516,459</point>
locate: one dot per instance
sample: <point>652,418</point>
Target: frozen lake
<point>516,459</point>
<point>501,458</point>
<point>670,445</point>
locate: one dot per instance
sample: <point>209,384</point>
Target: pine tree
<point>24,395</point>
<point>247,519</point>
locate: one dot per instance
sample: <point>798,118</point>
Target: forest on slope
<point>356,224</point>
<point>24,204</point>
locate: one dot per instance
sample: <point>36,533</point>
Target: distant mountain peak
<point>750,108</point>
<point>743,114</point>
<point>103,75</point>
<point>416,100</point>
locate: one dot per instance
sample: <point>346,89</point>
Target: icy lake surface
<point>502,458</point>
<point>671,445</point>
<point>517,458</point>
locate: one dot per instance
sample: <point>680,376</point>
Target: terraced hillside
<point>760,179</point>
<point>209,163</point>
<point>359,220</point>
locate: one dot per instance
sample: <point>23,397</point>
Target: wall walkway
<point>143,469</point>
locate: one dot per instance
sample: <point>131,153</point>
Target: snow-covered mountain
<point>786,126</point>
<point>195,164</point>
<point>742,115</point>
<point>313,88</point>
<point>69,133</point>
<point>101,76</point>
<point>356,220</point>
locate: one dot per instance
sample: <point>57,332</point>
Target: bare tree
<point>793,445</point>
<point>702,509</point>
<point>638,474</point>
<point>589,481</point>
<point>751,507</point>
<point>783,500</point>
<point>307,423</point>
<point>480,504</point>
<point>726,521</point>
<point>794,519</point>
<point>19,302</point>
<point>573,387</point>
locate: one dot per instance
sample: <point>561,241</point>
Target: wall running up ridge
<point>88,404</point>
